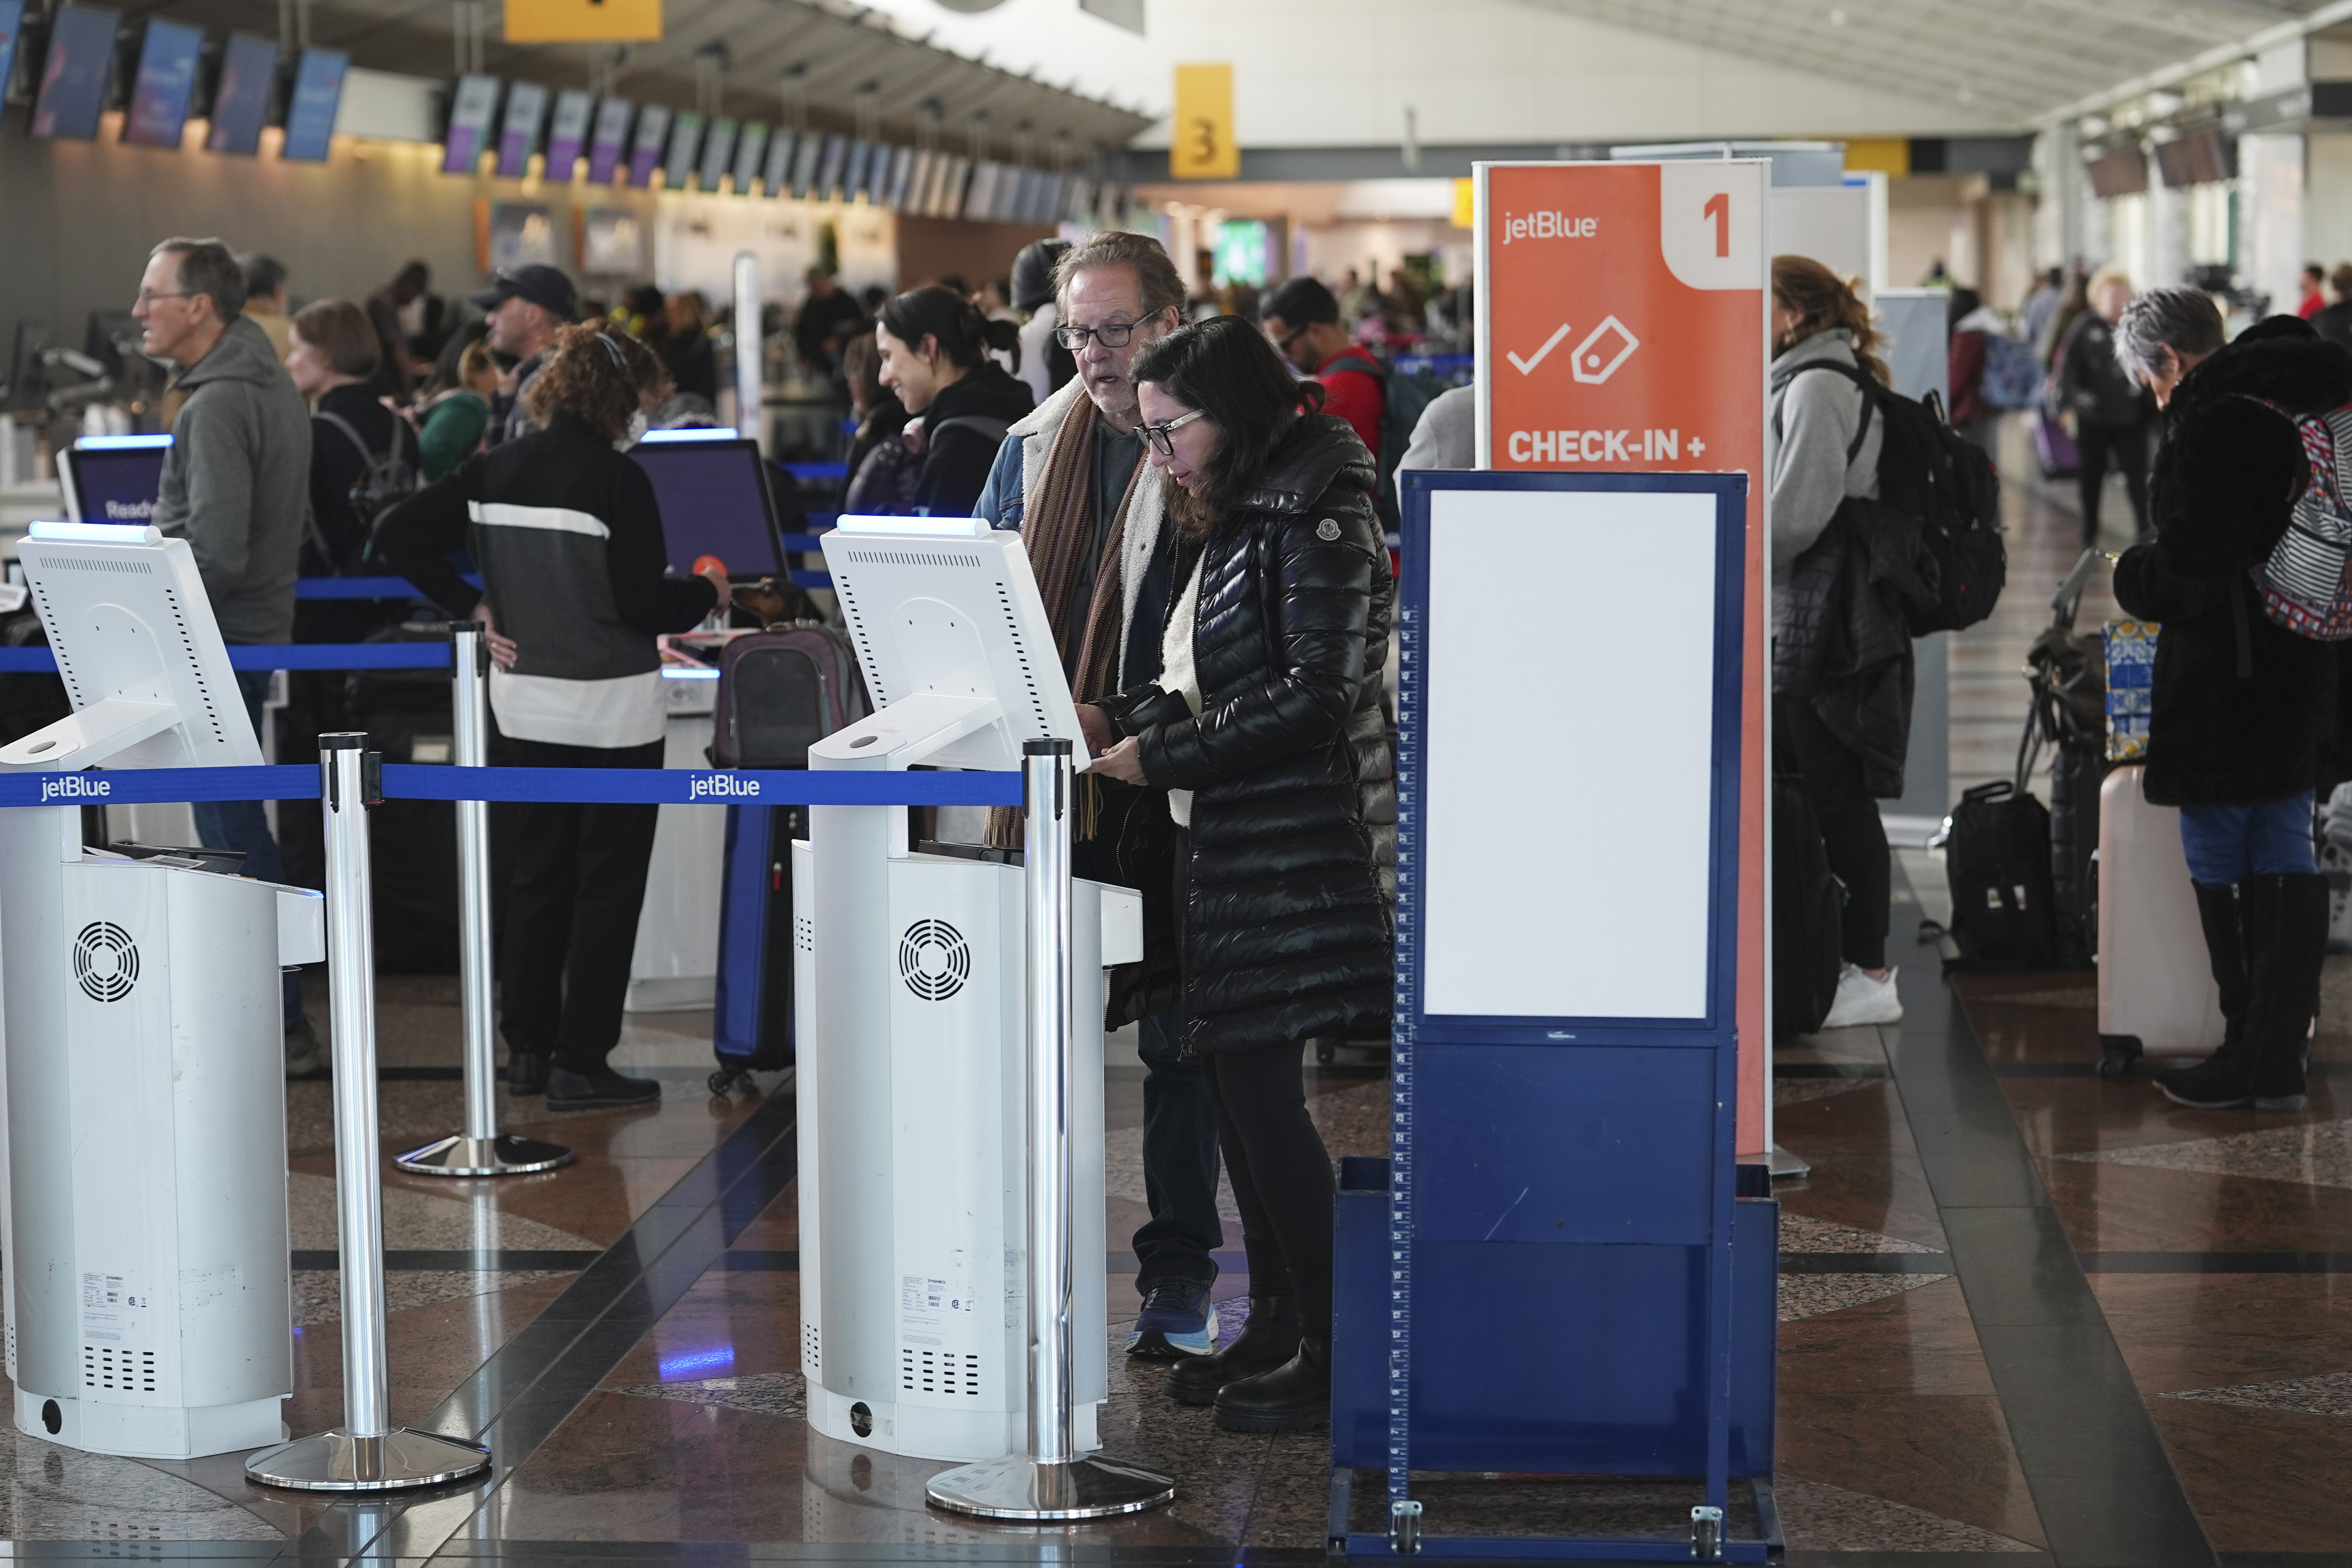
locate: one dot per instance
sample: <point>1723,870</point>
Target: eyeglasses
<point>1111,334</point>
<point>148,297</point>
<point>1282,345</point>
<point>1156,436</point>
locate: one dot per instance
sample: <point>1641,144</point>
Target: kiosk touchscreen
<point>714,500</point>
<point>149,1306</point>
<point>113,478</point>
<point>914,1141</point>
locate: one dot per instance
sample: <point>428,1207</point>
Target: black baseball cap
<point>544,287</point>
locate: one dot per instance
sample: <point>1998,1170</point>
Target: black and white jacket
<point>568,536</point>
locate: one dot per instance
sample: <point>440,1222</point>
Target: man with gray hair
<point>1092,514</point>
<point>235,486</point>
<point>2244,705</point>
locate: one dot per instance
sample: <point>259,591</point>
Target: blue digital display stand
<point>1561,1269</point>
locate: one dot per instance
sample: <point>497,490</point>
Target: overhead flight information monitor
<point>713,490</point>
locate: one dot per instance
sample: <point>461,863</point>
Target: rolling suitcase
<point>2157,995</point>
<point>751,1015</point>
<point>780,691</point>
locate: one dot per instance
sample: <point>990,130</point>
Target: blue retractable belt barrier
<point>811,472</point>
<point>626,786</point>
<point>277,656</point>
<point>361,587</point>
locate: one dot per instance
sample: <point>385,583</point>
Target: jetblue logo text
<point>74,786</point>
<point>1549,226</point>
<point>720,786</point>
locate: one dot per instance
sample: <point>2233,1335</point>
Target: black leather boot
<point>2297,905</point>
<point>2285,921</point>
<point>1269,1337</point>
<point>526,1072</point>
<point>1293,1398</point>
<point>2218,911</point>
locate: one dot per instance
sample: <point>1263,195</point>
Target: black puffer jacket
<point>2243,707</point>
<point>1287,924</point>
<point>2094,384</point>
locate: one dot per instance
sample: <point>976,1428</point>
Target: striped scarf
<point>1056,530</point>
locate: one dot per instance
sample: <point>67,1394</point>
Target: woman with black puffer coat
<point>1264,727</point>
<point>2244,709</point>
<point>935,356</point>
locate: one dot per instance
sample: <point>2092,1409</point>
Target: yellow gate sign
<point>583,21</point>
<point>1202,146</point>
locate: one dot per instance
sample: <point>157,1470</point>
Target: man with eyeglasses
<point>1071,478</point>
<point>237,487</point>
<point>1301,319</point>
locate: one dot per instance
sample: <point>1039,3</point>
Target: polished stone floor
<point>2026,1316</point>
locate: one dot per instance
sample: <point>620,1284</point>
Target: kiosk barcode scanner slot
<point>914,1138</point>
<point>148,1303</point>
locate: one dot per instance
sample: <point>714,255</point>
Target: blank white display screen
<point>1569,696</point>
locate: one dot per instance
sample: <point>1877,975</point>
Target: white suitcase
<point>2157,995</point>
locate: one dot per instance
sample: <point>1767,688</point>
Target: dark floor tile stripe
<point>406,1259</point>
<point>2091,1069</point>
<point>2217,1262</point>
<point>2101,1480</point>
<point>1864,1263</point>
<point>516,1399</point>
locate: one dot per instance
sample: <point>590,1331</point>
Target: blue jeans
<point>242,824</point>
<point>2227,844</point>
<point>1180,1162</point>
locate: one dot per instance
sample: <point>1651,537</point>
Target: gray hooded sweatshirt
<point>236,483</point>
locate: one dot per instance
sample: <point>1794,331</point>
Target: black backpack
<point>385,479</point>
<point>1934,480</point>
<point>1808,916</point>
<point>1404,398</point>
<point>1997,860</point>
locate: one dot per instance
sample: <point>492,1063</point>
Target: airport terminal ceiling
<point>843,65</point>
<point>2025,57</point>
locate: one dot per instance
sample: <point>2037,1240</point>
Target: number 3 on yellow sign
<point>1204,147</point>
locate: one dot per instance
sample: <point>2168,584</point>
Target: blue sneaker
<point>1178,1320</point>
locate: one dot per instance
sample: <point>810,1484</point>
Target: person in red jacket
<point>2314,298</point>
<point>1302,319</point>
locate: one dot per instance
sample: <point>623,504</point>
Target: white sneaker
<point>1862,1000</point>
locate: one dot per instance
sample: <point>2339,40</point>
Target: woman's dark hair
<point>1226,369</point>
<point>963,334</point>
<point>341,332</point>
<point>598,374</point>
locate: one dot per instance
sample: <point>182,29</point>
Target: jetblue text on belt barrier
<point>1601,446</point>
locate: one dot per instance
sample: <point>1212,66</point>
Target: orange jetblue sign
<point>1622,328</point>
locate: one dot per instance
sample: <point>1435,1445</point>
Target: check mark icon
<point>1526,366</point>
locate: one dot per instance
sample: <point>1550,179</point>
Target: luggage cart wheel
<point>1706,1534</point>
<point>723,1082</point>
<point>2118,1057</point>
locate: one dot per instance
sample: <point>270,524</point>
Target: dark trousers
<point>1850,831</point>
<point>2127,443</point>
<point>1180,1162</point>
<point>575,883</point>
<point>243,825</point>
<point>1280,1171</point>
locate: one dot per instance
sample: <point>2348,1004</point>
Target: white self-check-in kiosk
<point>148,1304</point>
<point>914,1140</point>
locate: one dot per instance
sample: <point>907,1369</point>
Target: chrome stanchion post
<point>366,1454</point>
<point>481,1150</point>
<point>1052,1481</point>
